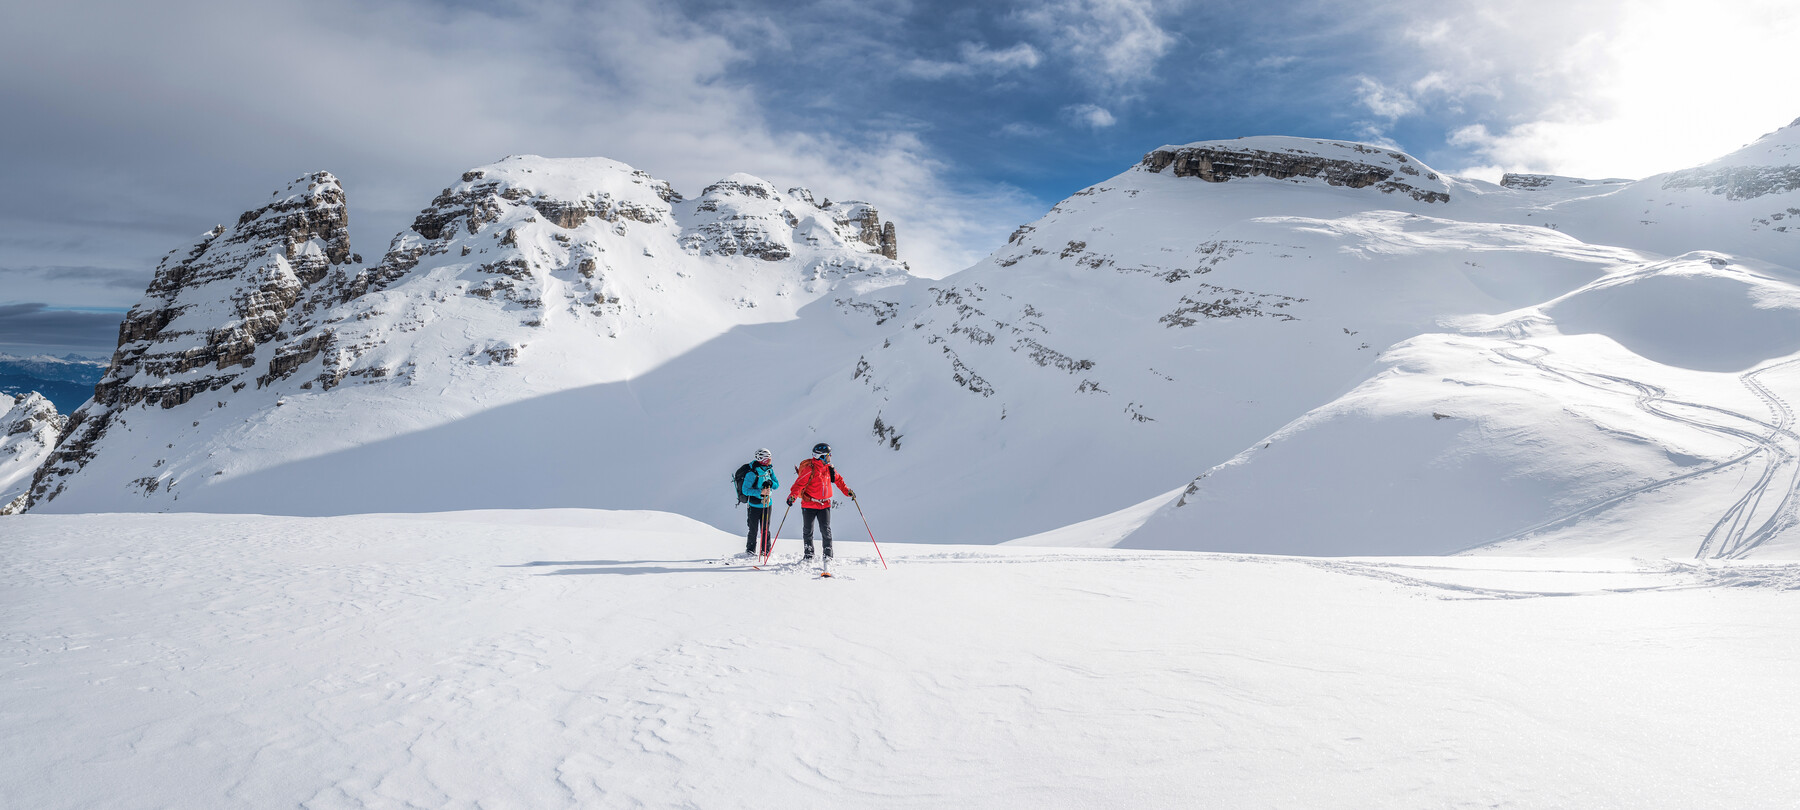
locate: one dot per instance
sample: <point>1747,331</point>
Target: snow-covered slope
<point>29,427</point>
<point>587,659</point>
<point>1647,412</point>
<point>1159,318</point>
<point>1558,423</point>
<point>571,333</point>
<point>1746,204</point>
<point>267,343</point>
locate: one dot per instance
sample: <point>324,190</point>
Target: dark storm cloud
<point>27,329</point>
<point>132,280</point>
<point>73,286</point>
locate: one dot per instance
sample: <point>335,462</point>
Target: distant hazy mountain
<point>66,381</point>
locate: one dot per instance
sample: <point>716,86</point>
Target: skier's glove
<point>851,494</point>
<point>790,501</point>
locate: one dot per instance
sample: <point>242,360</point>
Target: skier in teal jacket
<point>758,483</point>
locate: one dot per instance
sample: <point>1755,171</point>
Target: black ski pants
<point>823,516</point>
<point>759,522</point>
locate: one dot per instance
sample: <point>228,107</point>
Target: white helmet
<point>765,456</point>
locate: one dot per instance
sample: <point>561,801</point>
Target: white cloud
<point>1375,134</point>
<point>1475,135</point>
<point>1020,56</point>
<point>1435,81</point>
<point>977,59</point>
<point>1090,115</point>
<point>1621,89</point>
<point>1020,129</point>
<point>1382,100</point>
<point>1118,42</point>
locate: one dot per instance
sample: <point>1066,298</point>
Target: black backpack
<point>737,483</point>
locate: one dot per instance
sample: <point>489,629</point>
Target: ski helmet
<point>821,449</point>
<point>763,455</point>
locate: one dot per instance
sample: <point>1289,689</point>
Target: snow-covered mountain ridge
<point>1744,204</point>
<point>602,342</point>
<point>533,263</point>
<point>29,427</point>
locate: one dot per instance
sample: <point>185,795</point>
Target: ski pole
<point>770,551</point>
<point>865,520</point>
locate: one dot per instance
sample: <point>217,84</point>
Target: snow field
<point>566,658</point>
<point>1616,420</point>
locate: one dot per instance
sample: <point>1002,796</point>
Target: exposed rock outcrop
<point>1770,165</point>
<point>210,308</point>
<point>229,294</point>
<point>1217,162</point>
<point>1537,182</point>
<point>748,217</point>
<point>1737,182</point>
<point>869,228</point>
<point>890,243</point>
<point>744,215</point>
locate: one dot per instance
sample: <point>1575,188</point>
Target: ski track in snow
<point>1746,523</point>
<point>529,660</point>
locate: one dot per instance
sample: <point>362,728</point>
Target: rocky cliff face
<point>1293,158</point>
<point>1738,182</point>
<point>29,428</point>
<point>210,308</point>
<point>744,215</point>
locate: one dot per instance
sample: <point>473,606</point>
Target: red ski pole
<point>769,550</point>
<point>865,520</point>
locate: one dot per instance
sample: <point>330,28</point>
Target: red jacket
<point>812,484</point>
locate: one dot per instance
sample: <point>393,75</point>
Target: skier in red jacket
<point>812,487</point>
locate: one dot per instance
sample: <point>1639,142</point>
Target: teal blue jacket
<point>762,476</point>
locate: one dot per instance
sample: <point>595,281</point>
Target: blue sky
<point>134,127</point>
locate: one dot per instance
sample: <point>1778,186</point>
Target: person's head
<point>763,456</point>
<point>822,451</point>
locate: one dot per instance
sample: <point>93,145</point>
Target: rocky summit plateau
<point>1268,344</point>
